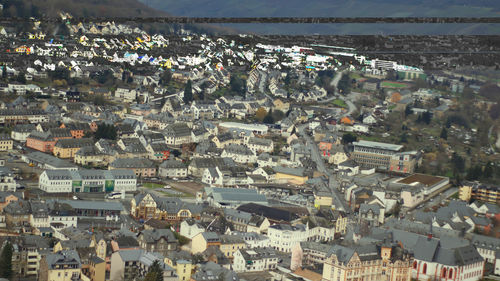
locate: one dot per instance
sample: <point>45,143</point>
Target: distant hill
<point>111,8</point>
<point>90,8</point>
<point>333,8</point>
<point>327,8</point>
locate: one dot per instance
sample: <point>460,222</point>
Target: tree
<point>490,91</point>
<point>260,114</point>
<point>408,110</point>
<point>488,170</point>
<point>444,134</point>
<point>165,77</point>
<point>495,111</point>
<point>344,84</point>
<point>188,92</point>
<point>155,273</point>
<point>349,138</point>
<point>426,117</point>
<point>105,131</point>
<point>403,138</point>
<point>4,72</point>
<point>458,163</point>
<point>269,119</point>
<point>6,261</point>
<point>237,85</point>
<point>278,115</point>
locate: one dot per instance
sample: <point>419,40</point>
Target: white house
<point>190,228</point>
<point>284,237</point>
<point>256,259</point>
<point>239,153</point>
<point>260,144</point>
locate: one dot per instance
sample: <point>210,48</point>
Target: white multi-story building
<point>284,237</point>
<point>239,153</point>
<point>257,259</point>
<point>64,181</point>
<point>7,182</point>
<point>260,144</point>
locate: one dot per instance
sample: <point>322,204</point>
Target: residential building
<point>6,142</point>
<point>177,134</point>
<point>141,167</point>
<point>284,237</point>
<point>67,148</point>
<point>7,181</point>
<point>481,192</point>
<point>190,228</point>
<point>182,262</point>
<point>172,169</point>
<point>132,264</point>
<point>63,265</point>
<point>202,241</point>
<point>158,240</point>
<point>21,131</point>
<point>256,259</point>
<point>229,244</point>
<point>20,116</point>
<point>7,197</point>
<point>259,145</point>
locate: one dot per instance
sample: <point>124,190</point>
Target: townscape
<point>131,155</point>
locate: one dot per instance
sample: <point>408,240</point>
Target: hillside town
<point>131,155</point>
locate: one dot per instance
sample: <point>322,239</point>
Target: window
<point>424,269</point>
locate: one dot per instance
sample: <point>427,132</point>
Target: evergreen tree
<point>105,131</point>
<point>488,170</point>
<point>188,92</point>
<point>155,273</point>
<point>426,117</point>
<point>6,261</point>
<point>444,134</point>
<point>408,110</point>
<point>348,138</point>
<point>4,71</point>
<point>269,119</point>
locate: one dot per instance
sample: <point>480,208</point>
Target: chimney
<point>429,237</point>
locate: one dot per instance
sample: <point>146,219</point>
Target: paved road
<point>338,198</point>
<point>335,82</point>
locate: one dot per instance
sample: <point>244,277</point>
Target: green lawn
<point>152,185</point>
<point>339,103</point>
<point>387,84</point>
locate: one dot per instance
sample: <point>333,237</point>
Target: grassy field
<point>339,103</point>
<point>151,185</point>
<point>387,84</point>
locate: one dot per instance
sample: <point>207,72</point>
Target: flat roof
<point>380,145</point>
<point>426,180</point>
